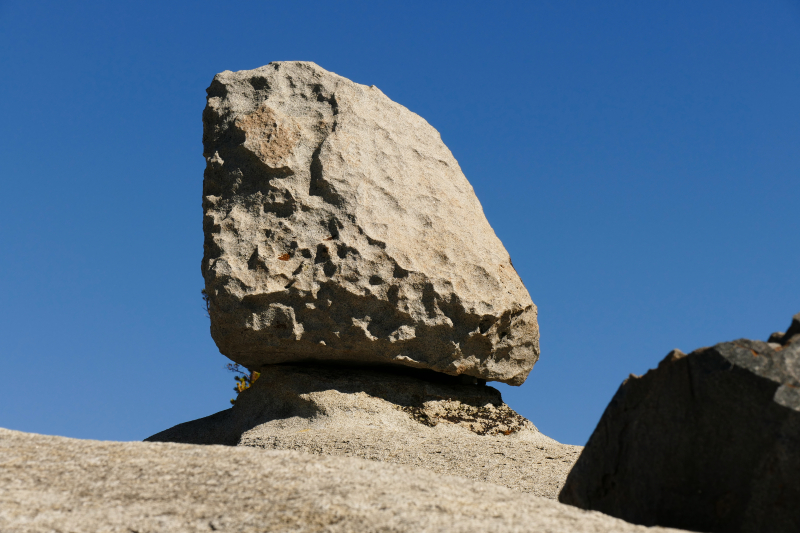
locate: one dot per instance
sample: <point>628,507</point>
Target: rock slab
<point>50,484</point>
<point>707,441</point>
<point>339,227</point>
<point>436,424</point>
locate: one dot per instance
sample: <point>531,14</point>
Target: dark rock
<point>793,333</point>
<point>776,337</point>
<point>707,441</point>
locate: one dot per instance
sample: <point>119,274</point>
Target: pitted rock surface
<point>444,427</point>
<point>707,441</point>
<point>339,227</point>
<point>490,419</point>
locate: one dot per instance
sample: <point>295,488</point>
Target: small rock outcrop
<point>427,420</point>
<point>339,227</point>
<point>56,484</point>
<point>707,441</point>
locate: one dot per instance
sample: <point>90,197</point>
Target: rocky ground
<point>57,484</point>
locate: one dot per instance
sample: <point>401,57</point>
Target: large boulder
<point>339,227</point>
<point>437,424</point>
<point>707,441</point>
<point>50,484</point>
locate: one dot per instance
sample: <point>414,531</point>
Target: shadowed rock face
<point>707,441</point>
<point>339,227</point>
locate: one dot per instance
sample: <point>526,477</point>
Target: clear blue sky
<point>640,161</point>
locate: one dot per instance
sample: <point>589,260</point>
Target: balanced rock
<point>707,441</point>
<point>432,422</point>
<point>52,484</point>
<point>339,227</point>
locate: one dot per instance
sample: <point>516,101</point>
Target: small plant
<point>207,302</point>
<point>244,379</point>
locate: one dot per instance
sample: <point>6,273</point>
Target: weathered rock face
<point>707,441</point>
<point>55,484</point>
<point>339,227</point>
<point>441,426</point>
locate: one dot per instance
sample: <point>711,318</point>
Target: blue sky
<point>639,160</point>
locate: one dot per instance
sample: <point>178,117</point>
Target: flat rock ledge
<point>434,422</point>
<point>52,484</point>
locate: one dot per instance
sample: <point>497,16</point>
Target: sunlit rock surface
<point>339,227</point>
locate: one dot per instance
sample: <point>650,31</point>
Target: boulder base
<point>707,441</point>
<point>339,227</point>
<point>434,423</point>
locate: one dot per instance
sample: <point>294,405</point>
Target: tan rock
<point>449,428</point>
<point>339,227</point>
<point>50,484</point>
